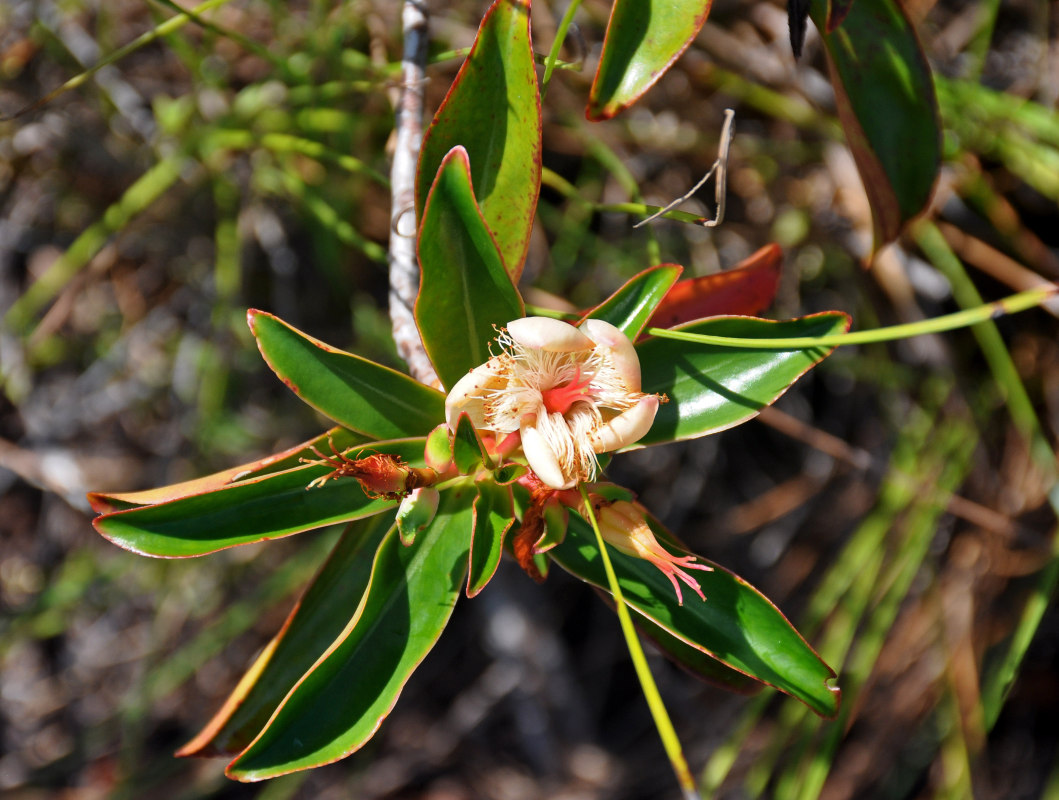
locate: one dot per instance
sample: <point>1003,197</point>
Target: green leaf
<point>737,625</point>
<point>711,388</point>
<point>311,627</point>
<point>336,439</point>
<point>695,661</point>
<point>340,702</point>
<point>509,473</point>
<point>629,308</point>
<point>556,519</point>
<point>464,294</point>
<point>493,111</point>
<point>494,511</point>
<point>467,451</point>
<point>886,103</point>
<point>644,39</point>
<point>254,510</point>
<point>359,394</point>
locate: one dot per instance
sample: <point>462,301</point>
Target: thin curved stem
<point>639,661</point>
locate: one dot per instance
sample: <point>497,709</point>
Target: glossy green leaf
<point>711,388</point>
<point>629,308</point>
<point>509,473</point>
<point>353,391</point>
<point>314,623</point>
<point>467,451</point>
<point>340,702</point>
<point>644,39</point>
<point>494,512</point>
<point>736,624</point>
<point>336,439</point>
<point>886,103</point>
<point>493,111</point>
<point>556,518</point>
<point>464,292</point>
<point>695,661</point>
<point>254,510</point>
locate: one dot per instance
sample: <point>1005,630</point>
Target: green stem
<point>948,322</point>
<point>555,181</point>
<point>654,700</point>
<point>557,45</point>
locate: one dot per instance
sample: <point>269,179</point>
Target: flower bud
<point>416,511</point>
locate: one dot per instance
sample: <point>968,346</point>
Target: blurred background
<point>894,503</point>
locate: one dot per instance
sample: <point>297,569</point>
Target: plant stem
<point>404,269</point>
<point>654,700</point>
<point>948,322</point>
<point>557,45</point>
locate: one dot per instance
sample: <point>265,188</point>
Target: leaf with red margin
<point>494,512</point>
<point>353,391</point>
<point>263,508</point>
<point>629,308</point>
<point>644,38</point>
<point>310,628</point>
<point>746,289</point>
<point>493,110</point>
<point>337,439</point>
<point>343,698</point>
<point>713,387</point>
<point>886,103</point>
<point>464,292</point>
<point>736,624</point>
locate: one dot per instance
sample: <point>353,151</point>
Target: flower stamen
<point>558,399</point>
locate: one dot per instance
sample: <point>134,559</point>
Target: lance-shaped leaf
<point>736,624</point>
<point>494,512</point>
<point>713,387</point>
<point>887,106</point>
<point>353,391</point>
<point>464,292</point>
<point>747,288</point>
<point>336,439</point>
<point>254,510</point>
<point>317,619</point>
<point>629,308</point>
<point>340,702</point>
<point>644,38</point>
<point>493,111</point>
<point>695,661</point>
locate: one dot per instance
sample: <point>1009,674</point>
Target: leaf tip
<point>251,318</point>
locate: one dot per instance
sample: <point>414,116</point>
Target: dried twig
<point>720,167</point>
<point>404,269</point>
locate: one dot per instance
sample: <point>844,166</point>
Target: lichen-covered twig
<point>404,269</point>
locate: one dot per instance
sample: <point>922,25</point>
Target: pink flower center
<point>558,399</point>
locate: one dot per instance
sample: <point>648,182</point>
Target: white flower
<point>564,393</point>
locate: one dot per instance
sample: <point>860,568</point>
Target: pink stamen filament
<point>558,399</point>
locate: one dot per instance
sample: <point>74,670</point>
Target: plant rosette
<point>433,487</point>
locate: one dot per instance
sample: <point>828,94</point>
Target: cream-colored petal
<point>545,333</point>
<point>466,396</point>
<point>627,427</point>
<point>622,353</point>
<point>542,459</point>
